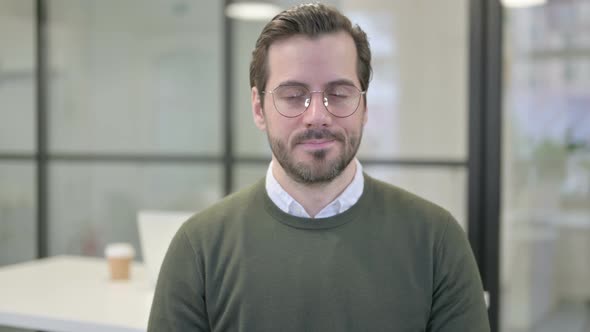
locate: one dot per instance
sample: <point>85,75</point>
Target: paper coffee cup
<point>119,256</point>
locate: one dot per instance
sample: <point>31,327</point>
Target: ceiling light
<point>252,11</point>
<point>522,3</point>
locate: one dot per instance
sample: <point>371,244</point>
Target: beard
<point>320,169</point>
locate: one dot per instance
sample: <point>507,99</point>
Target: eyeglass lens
<point>340,100</point>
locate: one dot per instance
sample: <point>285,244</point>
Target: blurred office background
<point>114,106</point>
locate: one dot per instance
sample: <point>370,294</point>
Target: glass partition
<point>546,168</point>
<point>135,76</point>
<point>17,77</point>
<point>92,205</point>
<point>18,223</point>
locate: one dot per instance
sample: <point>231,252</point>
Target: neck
<point>314,197</point>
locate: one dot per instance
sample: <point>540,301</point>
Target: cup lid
<point>119,250</point>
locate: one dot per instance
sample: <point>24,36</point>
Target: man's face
<point>314,147</point>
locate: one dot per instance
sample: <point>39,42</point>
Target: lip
<point>317,143</point>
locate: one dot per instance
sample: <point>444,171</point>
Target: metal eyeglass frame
<point>308,101</point>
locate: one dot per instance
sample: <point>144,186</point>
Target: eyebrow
<point>341,81</point>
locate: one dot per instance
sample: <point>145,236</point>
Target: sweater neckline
<point>310,223</point>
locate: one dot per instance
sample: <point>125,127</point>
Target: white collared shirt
<point>289,205</point>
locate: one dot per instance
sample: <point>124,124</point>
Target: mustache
<point>318,134</point>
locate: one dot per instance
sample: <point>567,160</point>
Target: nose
<point>316,114</point>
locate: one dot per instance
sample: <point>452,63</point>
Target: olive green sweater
<point>392,262</point>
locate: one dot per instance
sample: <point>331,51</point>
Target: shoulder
<point>425,225</point>
<point>404,204</point>
<point>227,212</point>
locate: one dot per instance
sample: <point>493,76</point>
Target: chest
<point>319,281</point>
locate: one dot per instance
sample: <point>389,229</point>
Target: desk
<point>73,294</point>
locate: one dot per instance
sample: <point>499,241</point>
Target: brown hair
<point>310,20</point>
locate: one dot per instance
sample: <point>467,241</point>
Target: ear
<point>365,115</point>
<point>257,111</point>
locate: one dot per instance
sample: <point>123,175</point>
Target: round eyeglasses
<point>341,100</point>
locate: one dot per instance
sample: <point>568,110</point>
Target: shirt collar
<point>343,202</point>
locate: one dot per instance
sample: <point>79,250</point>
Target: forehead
<point>312,61</point>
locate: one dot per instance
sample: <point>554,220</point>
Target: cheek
<point>354,127</point>
<point>280,128</point>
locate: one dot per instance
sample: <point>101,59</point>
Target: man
<point>317,245</point>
